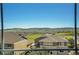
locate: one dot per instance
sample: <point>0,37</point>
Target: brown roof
<point>51,38</point>
<point>11,37</point>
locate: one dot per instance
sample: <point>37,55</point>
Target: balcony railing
<point>39,51</point>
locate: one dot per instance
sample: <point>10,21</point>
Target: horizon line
<point>37,27</point>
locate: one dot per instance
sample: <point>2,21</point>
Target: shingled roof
<point>51,38</point>
<point>11,37</point>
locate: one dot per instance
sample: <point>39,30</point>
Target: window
<point>27,24</point>
<point>55,44</point>
<point>8,46</point>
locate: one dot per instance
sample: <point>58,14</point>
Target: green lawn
<point>31,37</point>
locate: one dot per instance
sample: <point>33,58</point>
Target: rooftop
<point>11,37</point>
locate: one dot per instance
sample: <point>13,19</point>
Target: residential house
<point>12,40</point>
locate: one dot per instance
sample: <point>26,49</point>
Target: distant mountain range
<point>39,29</point>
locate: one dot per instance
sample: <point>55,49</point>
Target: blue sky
<point>38,15</point>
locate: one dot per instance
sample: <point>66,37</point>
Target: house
<point>12,40</point>
<point>52,42</point>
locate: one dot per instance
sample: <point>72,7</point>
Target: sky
<point>38,15</point>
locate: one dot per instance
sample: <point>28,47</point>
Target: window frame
<point>75,34</point>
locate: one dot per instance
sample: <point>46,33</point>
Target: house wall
<point>52,45</point>
<point>20,45</point>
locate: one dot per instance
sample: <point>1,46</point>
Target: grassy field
<point>65,33</point>
<point>32,36</point>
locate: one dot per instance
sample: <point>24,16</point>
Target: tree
<point>70,41</point>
